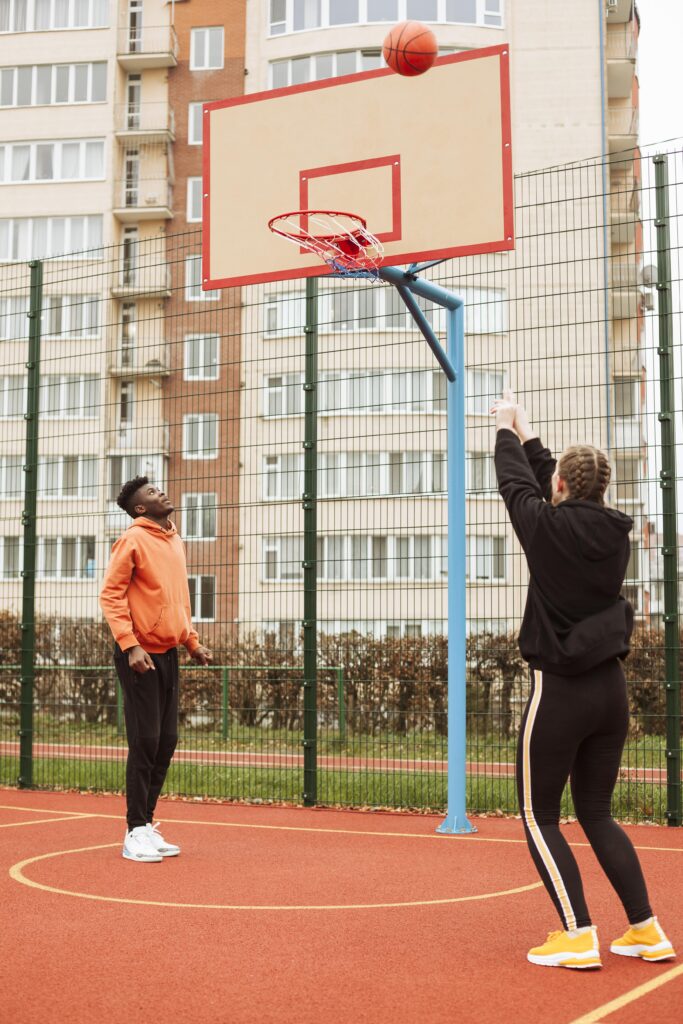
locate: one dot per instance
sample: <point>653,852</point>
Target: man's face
<point>154,502</point>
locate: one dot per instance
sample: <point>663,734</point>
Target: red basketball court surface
<point>275,914</point>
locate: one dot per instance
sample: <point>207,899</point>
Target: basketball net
<point>341,240</point>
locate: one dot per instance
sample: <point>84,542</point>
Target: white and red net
<point>341,240</point>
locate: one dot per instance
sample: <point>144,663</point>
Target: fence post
<point>28,521</point>
<point>309,503</point>
<point>341,700</point>
<point>667,482</point>
<point>225,702</point>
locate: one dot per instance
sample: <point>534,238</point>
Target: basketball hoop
<point>341,240</point>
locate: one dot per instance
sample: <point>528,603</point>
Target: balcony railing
<point>622,125</point>
<point>142,361</point>
<point>624,275</point>
<point>137,199</point>
<point>628,432</point>
<point>147,46</point>
<point>154,280</point>
<point>621,43</point>
<point>150,437</point>
<point>151,121</point>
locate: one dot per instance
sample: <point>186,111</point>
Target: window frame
<point>202,32</point>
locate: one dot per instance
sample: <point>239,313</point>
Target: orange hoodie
<point>144,596</point>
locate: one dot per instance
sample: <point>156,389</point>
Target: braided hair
<point>586,472</point>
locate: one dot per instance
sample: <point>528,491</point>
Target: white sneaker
<point>137,846</point>
<point>159,843</point>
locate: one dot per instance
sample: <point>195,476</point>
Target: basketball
<point>410,48</point>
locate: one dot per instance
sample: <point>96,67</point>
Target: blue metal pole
<point>453,365</point>
<point>456,821</point>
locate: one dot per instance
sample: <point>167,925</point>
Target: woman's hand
<point>505,411</point>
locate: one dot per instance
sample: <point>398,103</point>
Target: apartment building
<point>202,395</point>
<point>574,97</point>
<point>100,159</point>
<point>153,365</point>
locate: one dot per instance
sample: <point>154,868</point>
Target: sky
<point>660,70</point>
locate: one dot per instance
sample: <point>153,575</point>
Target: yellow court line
<point>46,810</point>
<point>39,821</point>
<point>474,837</point>
<point>595,1016</point>
<point>17,873</point>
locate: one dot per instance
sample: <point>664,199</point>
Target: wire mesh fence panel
<point>226,399</point>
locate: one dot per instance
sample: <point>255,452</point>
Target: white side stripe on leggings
<point>528,810</point>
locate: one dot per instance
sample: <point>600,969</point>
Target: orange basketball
<point>410,48</point>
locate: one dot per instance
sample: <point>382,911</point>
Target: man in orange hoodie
<point>146,601</point>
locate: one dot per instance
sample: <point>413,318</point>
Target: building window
<point>283,395</point>
<point>481,472</point>
<point>66,558</point>
<point>11,477</point>
<point>199,516</point>
<point>414,391</point>
<point>69,397</point>
<point>626,477</point>
<point>206,48</point>
<point>10,557</point>
<point>195,123</point>
<point>26,238</point>
<point>485,561</point>
<point>52,15</point>
<point>123,468</point>
<point>45,84</point>
<point>626,396</point>
<point>301,15</point>
<point>71,316</point>
<point>72,160</point>
<point>282,558</point>
<point>194,200</point>
<point>14,318</point>
<point>483,387</point>
<point>193,282</point>
<point>201,357</point>
<point>202,597</point>
<point>283,476</point>
<point>67,476</point>
<point>200,436</point>
<point>12,396</point>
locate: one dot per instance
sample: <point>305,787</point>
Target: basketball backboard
<point>426,161</point>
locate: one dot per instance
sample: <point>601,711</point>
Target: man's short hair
<point>128,492</point>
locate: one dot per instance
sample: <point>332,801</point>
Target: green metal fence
<point>300,430</point>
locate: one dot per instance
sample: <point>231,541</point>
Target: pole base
<point>455,826</point>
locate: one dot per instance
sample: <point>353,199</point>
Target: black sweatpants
<point>150,705</point>
<point>575,727</point>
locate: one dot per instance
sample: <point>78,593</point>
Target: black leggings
<point>575,727</point>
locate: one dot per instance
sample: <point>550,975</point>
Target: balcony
<point>152,281</point>
<point>141,199</point>
<point>144,122</point>
<point>621,49</point>
<point>625,290</point>
<point>628,433</point>
<point>620,12</point>
<point>144,361</point>
<point>139,48</point>
<point>151,438</point>
<point>622,130</point>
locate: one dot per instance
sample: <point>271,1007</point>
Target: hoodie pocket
<point>171,627</point>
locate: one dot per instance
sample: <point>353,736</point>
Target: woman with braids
<point>574,635</point>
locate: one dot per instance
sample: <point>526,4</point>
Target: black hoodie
<point>577,551</point>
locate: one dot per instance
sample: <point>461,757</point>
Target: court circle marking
<point>16,872</point>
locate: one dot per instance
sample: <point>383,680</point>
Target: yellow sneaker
<point>563,950</point>
<point>649,943</point>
